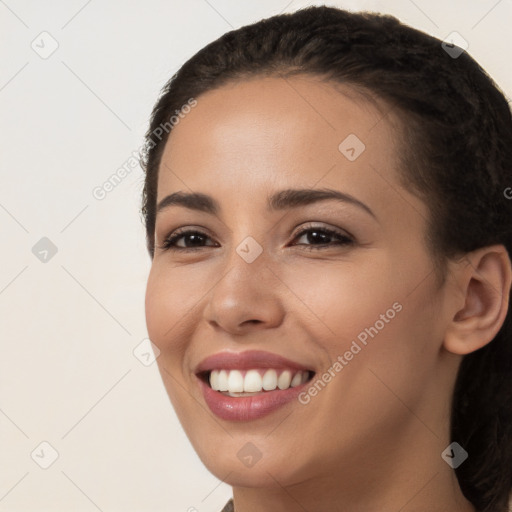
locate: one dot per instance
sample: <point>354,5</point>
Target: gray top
<point>229,506</point>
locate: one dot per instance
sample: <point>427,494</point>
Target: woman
<point>330,234</point>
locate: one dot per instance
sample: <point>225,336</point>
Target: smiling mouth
<point>240,383</point>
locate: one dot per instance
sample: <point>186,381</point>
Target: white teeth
<point>252,381</point>
<point>283,382</point>
<point>235,383</point>
<point>214,380</point>
<point>297,379</point>
<point>270,380</point>
<point>223,381</point>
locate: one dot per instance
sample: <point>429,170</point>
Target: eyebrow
<point>282,200</point>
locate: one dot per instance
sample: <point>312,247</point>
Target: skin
<point>372,438</point>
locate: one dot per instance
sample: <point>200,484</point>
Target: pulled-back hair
<point>456,155</point>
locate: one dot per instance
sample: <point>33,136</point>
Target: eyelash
<point>343,240</point>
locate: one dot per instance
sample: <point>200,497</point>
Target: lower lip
<point>250,407</point>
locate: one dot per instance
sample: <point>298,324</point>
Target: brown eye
<point>317,238</point>
<point>196,239</point>
<point>321,237</point>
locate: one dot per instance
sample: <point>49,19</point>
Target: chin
<point>235,467</point>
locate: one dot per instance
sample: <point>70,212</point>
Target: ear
<point>484,283</point>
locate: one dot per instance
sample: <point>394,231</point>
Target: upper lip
<point>247,360</point>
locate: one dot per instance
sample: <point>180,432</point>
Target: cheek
<point>159,316</point>
<point>167,302</point>
<point>338,299</point>
<point>171,296</point>
<point>398,356</point>
<point>381,306</point>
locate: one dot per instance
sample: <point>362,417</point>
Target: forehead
<point>271,132</point>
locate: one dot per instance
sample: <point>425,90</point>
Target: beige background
<point>69,326</point>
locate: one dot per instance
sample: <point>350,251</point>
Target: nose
<point>247,297</point>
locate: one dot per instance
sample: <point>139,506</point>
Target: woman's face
<point>360,307</point>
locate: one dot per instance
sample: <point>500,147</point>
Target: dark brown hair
<point>456,154</point>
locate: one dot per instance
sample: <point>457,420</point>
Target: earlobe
<point>485,282</point>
